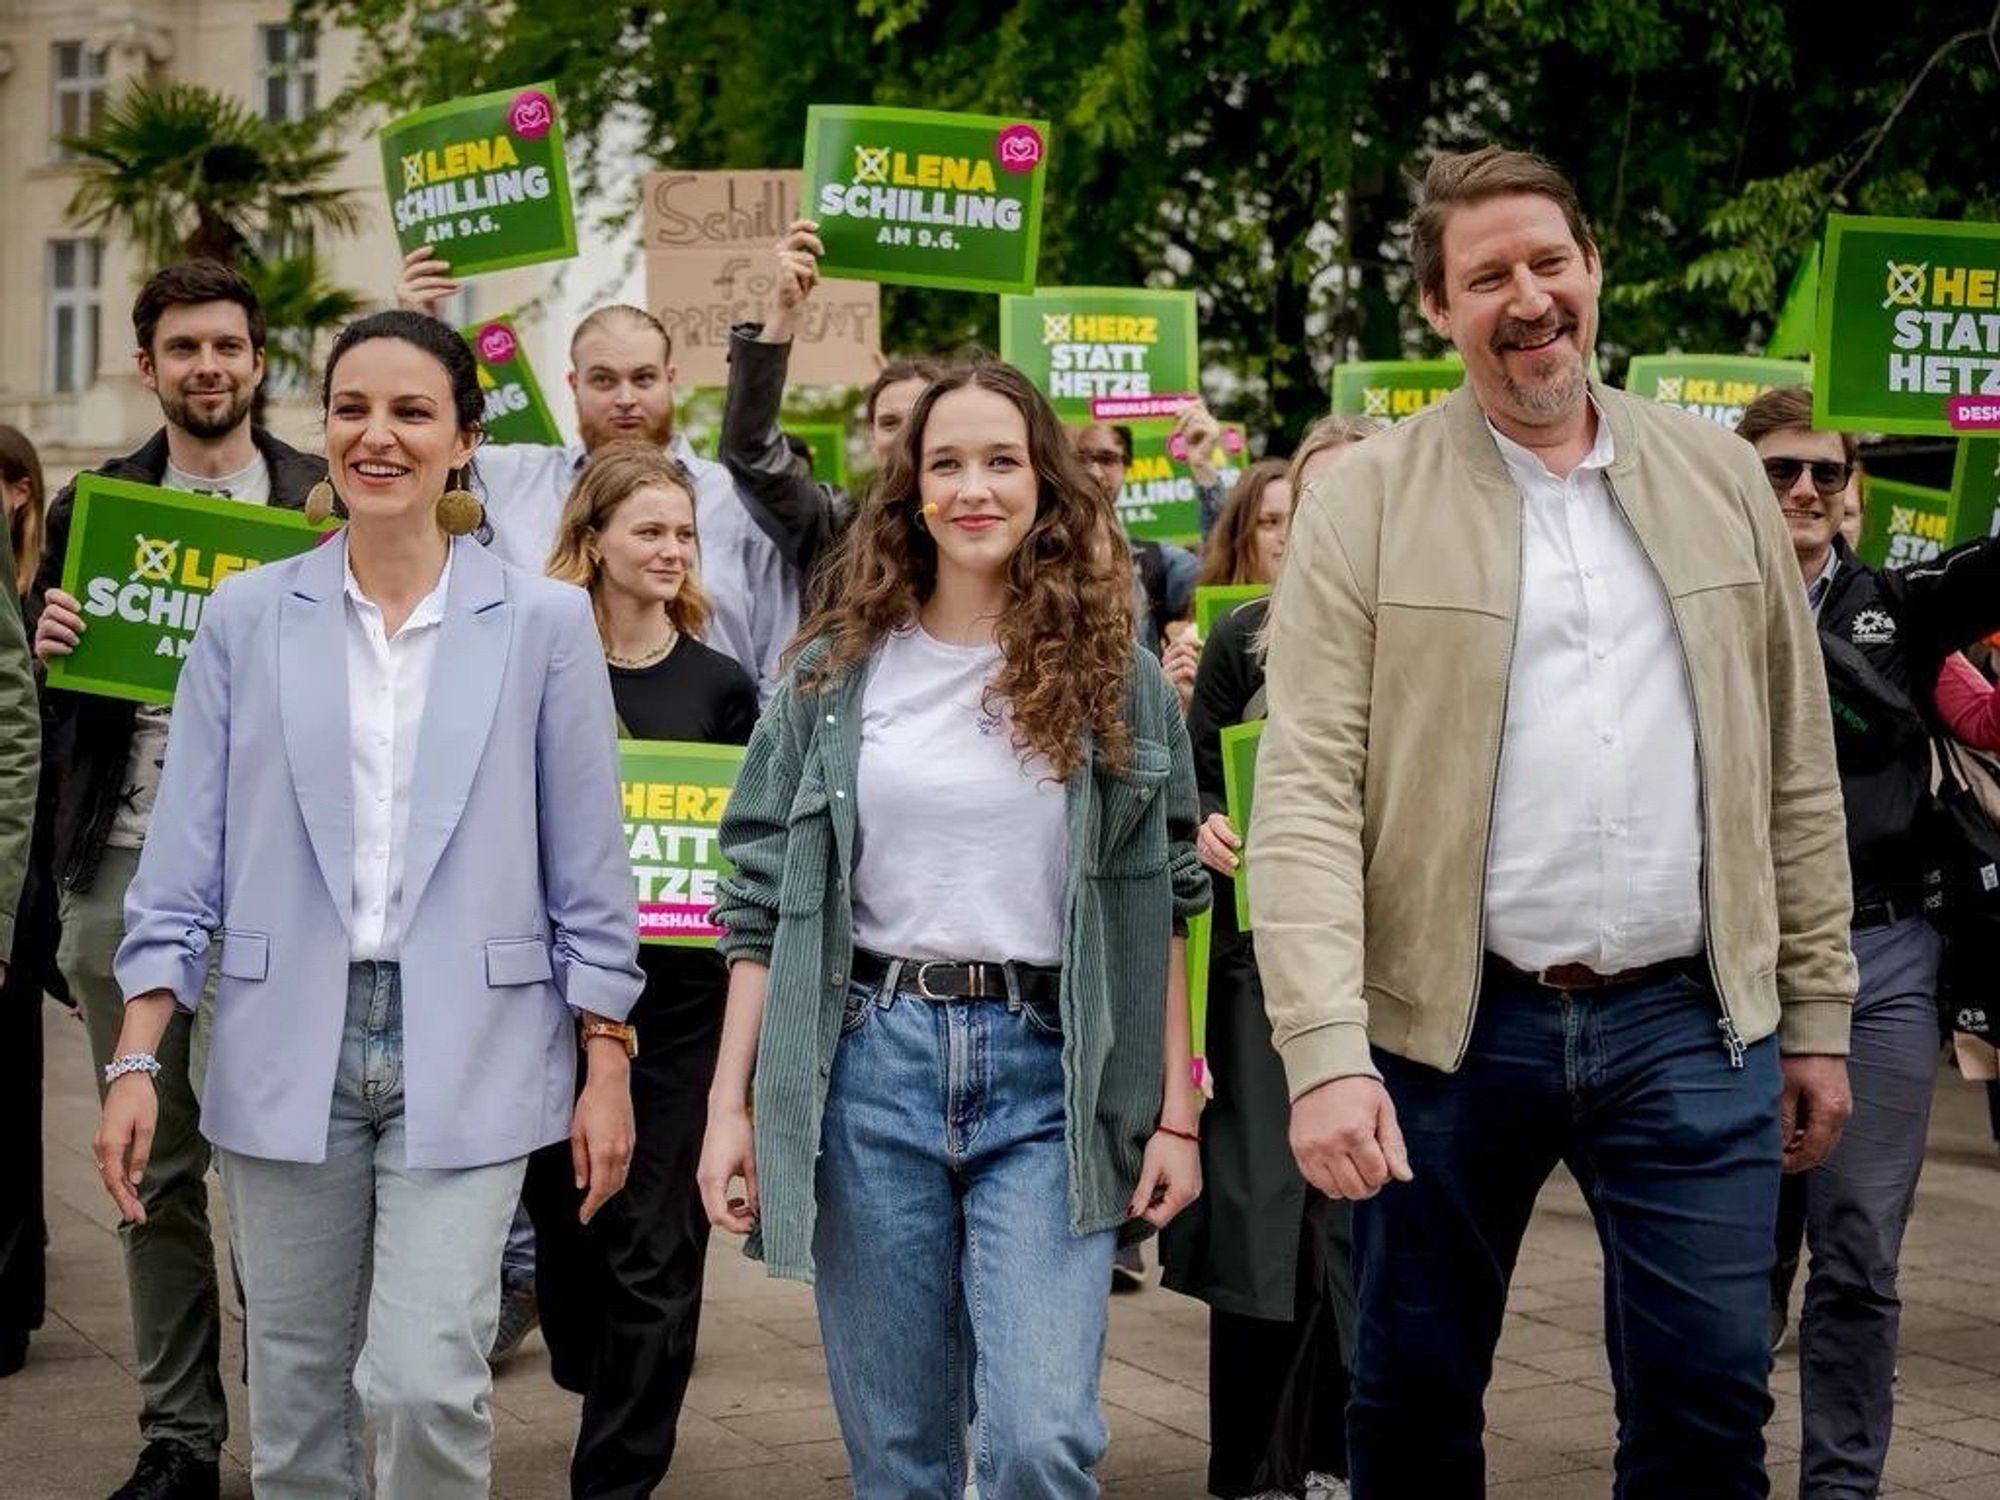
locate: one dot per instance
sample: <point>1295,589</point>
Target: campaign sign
<point>142,562</point>
<point>516,411</point>
<point>1392,389</point>
<point>1239,791</point>
<point>1975,489</point>
<point>926,198</point>
<point>674,795</point>
<point>483,180</point>
<point>1905,523</point>
<point>1715,386</point>
<point>1158,502</point>
<point>1908,338</point>
<point>1123,347</point>
<point>1214,600</point>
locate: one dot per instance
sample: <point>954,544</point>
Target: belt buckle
<point>923,978</point>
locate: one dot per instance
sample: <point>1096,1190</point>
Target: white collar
<point>1527,464</point>
<point>430,608</point>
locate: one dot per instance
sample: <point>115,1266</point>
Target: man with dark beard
<point>201,351</point>
<point>1549,865</point>
<point>622,376</point>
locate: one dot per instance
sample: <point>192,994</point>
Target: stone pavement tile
<point>1510,1458</point>
<point>1579,1484</point>
<point>1976,1346</point>
<point>1141,1448</point>
<point>1979,1400</point>
<point>1923,1461</point>
<point>1523,1336</point>
<point>1507,1410</point>
<point>1921,1413</point>
<point>1574,1362</point>
<point>1170,1405</point>
<point>1578,1434</point>
<point>1922,1372</point>
<point>1510,1375</point>
<point>1982,1433</point>
<point>826,1458</point>
<point>783,1429</point>
<point>1981,1487</point>
<point>1189,1484</point>
<point>703,1445</point>
<point>741,1384</point>
<point>799,1329</point>
<point>774,1481</point>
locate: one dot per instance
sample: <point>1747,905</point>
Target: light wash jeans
<point>361,1247</point>
<point>947,1273</point>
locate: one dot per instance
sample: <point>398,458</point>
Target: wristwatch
<point>618,1031</point>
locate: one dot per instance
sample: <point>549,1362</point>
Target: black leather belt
<point>1886,912</point>
<point>945,979</point>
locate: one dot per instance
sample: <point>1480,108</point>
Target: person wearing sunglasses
<point>1885,636</point>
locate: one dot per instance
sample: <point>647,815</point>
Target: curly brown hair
<point>1065,635</point>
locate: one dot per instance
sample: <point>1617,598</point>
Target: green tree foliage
<point>1262,152</point>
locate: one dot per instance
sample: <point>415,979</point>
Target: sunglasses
<point>1829,476</point>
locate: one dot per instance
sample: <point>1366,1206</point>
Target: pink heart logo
<point>1019,148</point>
<point>497,344</point>
<point>531,114</point>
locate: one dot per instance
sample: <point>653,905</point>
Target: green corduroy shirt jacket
<point>1133,881</point>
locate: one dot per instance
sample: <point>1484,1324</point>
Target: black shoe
<point>13,1351</point>
<point>168,1470</point>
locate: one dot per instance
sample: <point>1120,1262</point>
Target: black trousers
<point>23,1229</point>
<point>1277,1391</point>
<point>621,1298</point>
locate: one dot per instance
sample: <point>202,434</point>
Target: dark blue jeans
<point>1676,1149</point>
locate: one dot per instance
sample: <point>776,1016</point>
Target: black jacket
<point>87,739</point>
<point>802,516</point>
<point>1885,636</point>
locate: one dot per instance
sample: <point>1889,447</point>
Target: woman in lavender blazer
<point>392,795</point>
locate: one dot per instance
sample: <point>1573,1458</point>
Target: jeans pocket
<point>860,1002</point>
<point>1043,1018</point>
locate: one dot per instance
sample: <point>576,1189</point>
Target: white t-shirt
<point>963,847</point>
<point>252,485</point>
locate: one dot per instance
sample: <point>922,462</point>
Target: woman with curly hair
<point>963,840</point>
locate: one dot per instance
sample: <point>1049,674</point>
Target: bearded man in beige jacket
<point>1547,865</point>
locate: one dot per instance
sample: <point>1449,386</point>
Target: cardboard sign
<point>142,562</point>
<point>1120,346</point>
<point>1214,600</point>
<point>1158,502</point>
<point>483,180</point>
<point>1395,388</point>
<point>709,238</point>
<point>674,795</point>
<point>1715,386</point>
<point>1239,792</point>
<point>516,410</point>
<point>1905,523</point>
<point>925,198</point>
<point>1908,337</point>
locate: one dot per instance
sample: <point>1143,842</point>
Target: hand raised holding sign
<point>797,273</point>
<point>1197,428</point>
<point>426,282</point>
<point>60,626</point>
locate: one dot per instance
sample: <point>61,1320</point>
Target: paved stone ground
<point>759,1426</point>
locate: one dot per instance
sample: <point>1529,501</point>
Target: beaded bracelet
<point>131,1062</point>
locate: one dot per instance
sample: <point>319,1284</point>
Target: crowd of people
<point>1593,827</point>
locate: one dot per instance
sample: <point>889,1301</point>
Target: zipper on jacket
<point>1493,795</point>
<point>1732,1039</point>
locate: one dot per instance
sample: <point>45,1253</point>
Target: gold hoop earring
<point>459,512</point>
<point>319,502</point>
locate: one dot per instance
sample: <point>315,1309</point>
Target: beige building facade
<point>66,369</point>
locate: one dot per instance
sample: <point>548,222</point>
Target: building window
<point>75,267</point>
<point>78,75</point>
<point>291,72</point>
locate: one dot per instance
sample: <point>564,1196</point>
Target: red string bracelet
<point>1180,1135</point>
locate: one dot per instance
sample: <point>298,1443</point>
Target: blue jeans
<point>357,1247</point>
<point>1676,1151</point>
<point>947,1271</point>
<point>1858,1202</point>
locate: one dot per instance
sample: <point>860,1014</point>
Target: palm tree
<point>184,171</point>
<point>300,303</point>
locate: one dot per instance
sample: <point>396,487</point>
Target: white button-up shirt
<point>1596,849</point>
<point>753,593</point>
<point>388,680</point>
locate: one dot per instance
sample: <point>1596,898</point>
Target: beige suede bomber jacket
<point>1392,633</point>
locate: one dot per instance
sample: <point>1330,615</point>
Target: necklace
<point>646,658</point>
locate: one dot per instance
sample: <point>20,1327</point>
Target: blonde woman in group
<point>620,1297</point>
<point>1265,1252</point>
<point>963,851</point>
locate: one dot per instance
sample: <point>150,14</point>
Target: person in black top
<point>621,1298</point>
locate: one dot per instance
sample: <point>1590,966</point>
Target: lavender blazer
<point>517,894</point>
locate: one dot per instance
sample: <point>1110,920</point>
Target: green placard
<point>516,411</point>
<point>1200,942</point>
<point>828,441</point>
<point>1158,502</point>
<point>674,795</point>
<point>1715,386</point>
<point>1239,786</point>
<point>926,198</point>
<point>1214,600</point>
<point>483,179</point>
<point>1905,523</point>
<point>1975,489</point>
<point>1130,351</point>
<point>1792,333</point>
<point>142,562</point>
<point>1908,338</point>
<point>1394,389</point>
